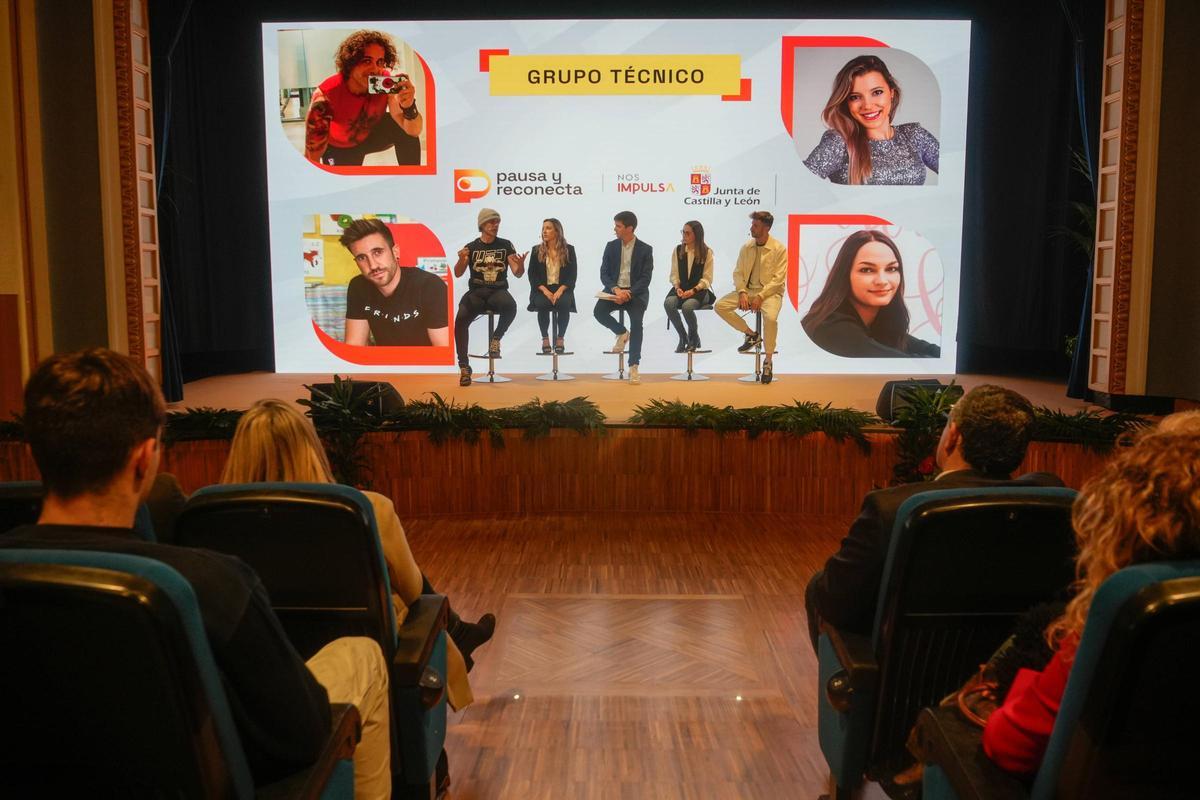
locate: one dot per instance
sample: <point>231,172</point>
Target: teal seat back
<point>109,683</point>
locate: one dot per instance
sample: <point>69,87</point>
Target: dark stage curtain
<point>1023,286</point>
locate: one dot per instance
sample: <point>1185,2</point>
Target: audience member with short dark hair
<point>983,443</point>
<point>1143,506</point>
<point>93,420</point>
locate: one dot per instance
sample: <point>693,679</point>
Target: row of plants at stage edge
<point>797,419</point>
<point>926,410</point>
<point>347,411</point>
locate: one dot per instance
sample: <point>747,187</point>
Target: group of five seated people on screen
<point>860,313</point>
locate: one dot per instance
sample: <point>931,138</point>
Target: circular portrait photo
<point>866,117</point>
<point>878,293</point>
<point>377,287</point>
<point>355,101</point>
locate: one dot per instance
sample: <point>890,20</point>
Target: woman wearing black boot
<point>691,284</point>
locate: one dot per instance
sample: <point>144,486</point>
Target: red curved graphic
<point>794,223</point>
<point>788,59</point>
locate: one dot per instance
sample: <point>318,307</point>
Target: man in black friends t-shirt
<point>489,259</point>
<point>396,305</point>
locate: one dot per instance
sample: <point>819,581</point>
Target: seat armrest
<point>856,657</point>
<point>311,781</point>
<point>955,745</point>
<point>416,638</point>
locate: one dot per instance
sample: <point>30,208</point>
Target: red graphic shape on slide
<point>742,96</point>
<point>485,58</point>
<point>793,244</point>
<point>414,241</point>
<point>788,79</point>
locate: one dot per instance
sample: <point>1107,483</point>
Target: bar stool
<point>619,375</point>
<point>690,375</point>
<point>553,374</point>
<point>492,377</point>
<point>757,352</point>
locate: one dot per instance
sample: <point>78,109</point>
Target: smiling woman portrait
<point>862,146</point>
<point>861,312</point>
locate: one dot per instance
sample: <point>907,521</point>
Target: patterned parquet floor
<point>636,656</point>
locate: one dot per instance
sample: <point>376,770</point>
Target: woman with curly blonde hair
<point>275,443</point>
<point>1144,506</point>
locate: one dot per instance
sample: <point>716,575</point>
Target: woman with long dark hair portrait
<point>862,146</point>
<point>861,312</point>
<point>552,274</point>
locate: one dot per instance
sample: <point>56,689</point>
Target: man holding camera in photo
<point>364,108</point>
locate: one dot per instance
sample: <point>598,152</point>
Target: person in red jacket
<point>346,120</point>
<point>1144,506</point>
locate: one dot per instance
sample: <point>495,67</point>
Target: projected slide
<point>423,173</point>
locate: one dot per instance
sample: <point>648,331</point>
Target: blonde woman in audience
<point>274,442</point>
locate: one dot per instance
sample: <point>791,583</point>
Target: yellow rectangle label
<point>615,74</point>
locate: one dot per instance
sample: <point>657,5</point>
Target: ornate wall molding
<point>1127,196</point>
<point>127,144</point>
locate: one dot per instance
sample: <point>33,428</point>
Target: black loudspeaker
<point>892,399</point>
<point>386,402</point>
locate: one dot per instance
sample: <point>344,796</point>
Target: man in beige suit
<point>758,279</point>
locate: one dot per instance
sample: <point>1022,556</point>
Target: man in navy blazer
<point>983,442</point>
<point>625,273</point>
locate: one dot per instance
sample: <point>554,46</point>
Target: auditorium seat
<point>316,548</point>
<point>21,504</point>
<point>110,689</point>
<point>962,565</point>
<point>1127,724</point>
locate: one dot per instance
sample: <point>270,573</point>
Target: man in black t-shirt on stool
<point>397,306</point>
<point>489,258</point>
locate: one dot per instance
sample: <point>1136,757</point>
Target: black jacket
<point>844,334</point>
<point>568,273</point>
<point>280,710</point>
<point>846,592</point>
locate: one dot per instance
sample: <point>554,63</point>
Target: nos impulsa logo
<point>632,183</point>
<point>470,184</point>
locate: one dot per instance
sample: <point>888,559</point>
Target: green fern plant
<point>195,424</point>
<point>447,420</point>
<point>341,416</point>
<point>797,419</point>
<point>920,421</point>
<point>677,414</point>
<point>1090,428</point>
<point>537,418</point>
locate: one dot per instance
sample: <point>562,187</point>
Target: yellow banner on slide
<point>615,74</point>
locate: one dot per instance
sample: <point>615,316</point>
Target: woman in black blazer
<point>861,312</point>
<point>552,273</point>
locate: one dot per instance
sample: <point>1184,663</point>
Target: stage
<point>617,399</point>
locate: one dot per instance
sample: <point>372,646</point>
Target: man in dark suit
<point>625,273</point>
<point>981,445</point>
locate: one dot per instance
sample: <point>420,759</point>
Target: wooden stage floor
<point>617,399</point>
<point>653,656</point>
